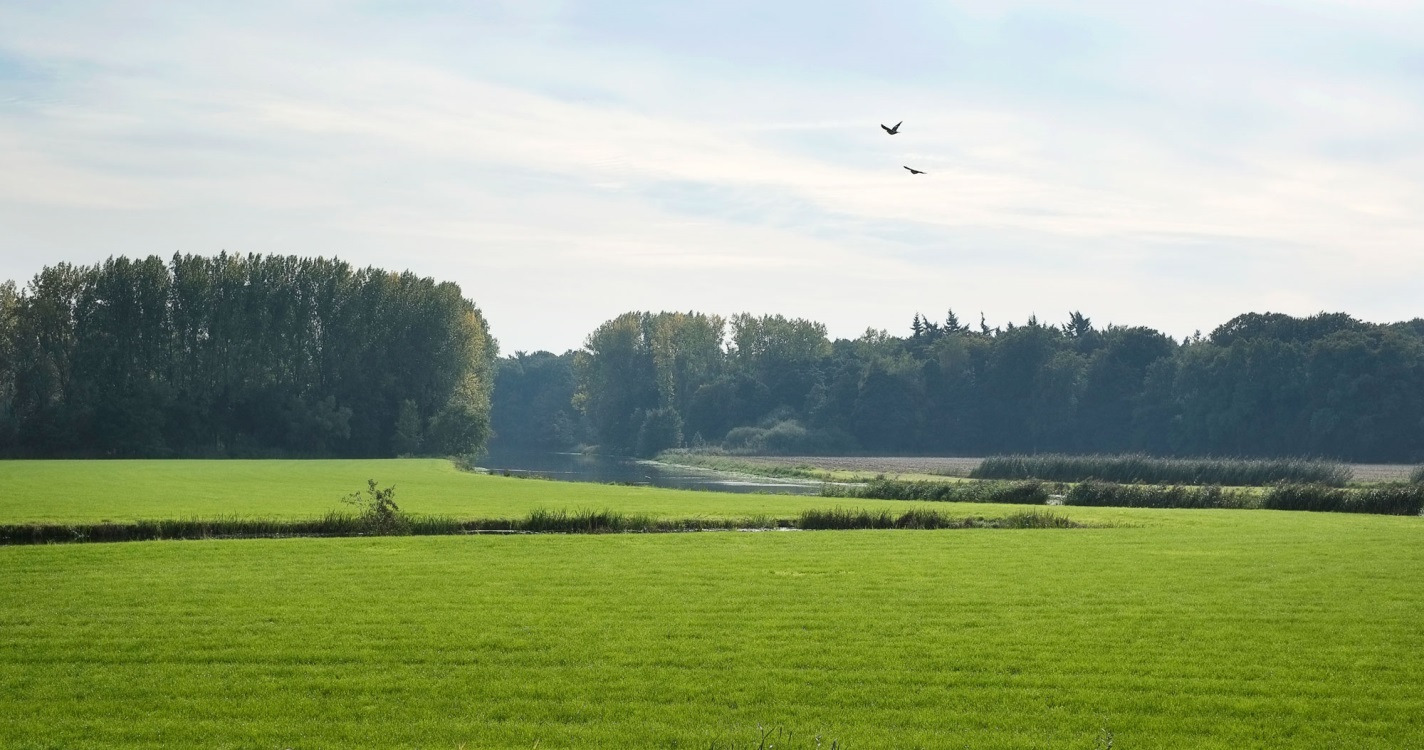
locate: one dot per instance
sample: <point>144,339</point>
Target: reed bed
<point>1113,495</point>
<point>334,524</point>
<point>1389,499</point>
<point>1142,469</point>
<point>538,521</point>
<point>922,518</point>
<point>1399,499</point>
<point>344,525</point>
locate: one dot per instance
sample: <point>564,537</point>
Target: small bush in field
<point>377,509</point>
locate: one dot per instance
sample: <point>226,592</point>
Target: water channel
<point>579,467</point>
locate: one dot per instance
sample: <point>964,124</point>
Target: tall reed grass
<point>539,521</point>
<point>333,524</point>
<point>1142,469</point>
<point>1111,494</point>
<point>922,518</point>
<point>342,524</point>
<point>1389,499</point>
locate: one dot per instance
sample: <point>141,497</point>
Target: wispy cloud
<point>566,161</point>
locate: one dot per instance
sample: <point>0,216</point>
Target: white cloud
<point>1179,179</point>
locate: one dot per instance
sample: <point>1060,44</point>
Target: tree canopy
<point>240,355</point>
<point>1259,385</point>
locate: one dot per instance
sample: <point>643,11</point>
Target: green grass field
<point>78,491</point>
<point>1181,629</point>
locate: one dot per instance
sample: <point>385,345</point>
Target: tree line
<point>1259,385</point>
<point>240,355</point>
<point>246,355</point>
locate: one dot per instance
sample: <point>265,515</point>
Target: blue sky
<point>566,161</point>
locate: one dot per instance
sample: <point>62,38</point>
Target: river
<point>579,467</point>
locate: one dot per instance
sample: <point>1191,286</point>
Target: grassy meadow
<point>89,491</point>
<point>1172,629</point>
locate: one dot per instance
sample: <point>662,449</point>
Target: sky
<point>1169,165</point>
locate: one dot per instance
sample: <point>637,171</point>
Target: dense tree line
<point>240,356</point>
<point>534,407</point>
<point>1259,385</point>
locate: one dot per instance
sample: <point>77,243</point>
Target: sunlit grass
<point>88,491</point>
<point>1175,628</point>
<point>1229,629</point>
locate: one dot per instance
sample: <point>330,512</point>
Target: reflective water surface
<point>578,467</point>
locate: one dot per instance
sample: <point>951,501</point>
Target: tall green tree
<point>242,355</point>
<point>639,372</point>
<point>1261,384</point>
<point>532,403</point>
<point>9,318</point>
<point>617,382</point>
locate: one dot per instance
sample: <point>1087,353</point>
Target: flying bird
<point>914,171</point>
<point>894,130</point>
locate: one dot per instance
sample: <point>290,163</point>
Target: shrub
<point>377,508</point>
<point>743,439</point>
<point>661,430</point>
<point>1417,477</point>
<point>786,437</point>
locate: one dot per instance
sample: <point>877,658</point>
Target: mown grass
<point>1143,469</point>
<point>68,493</point>
<point>1198,629</point>
<point>1176,629</point>
<point>60,493</point>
